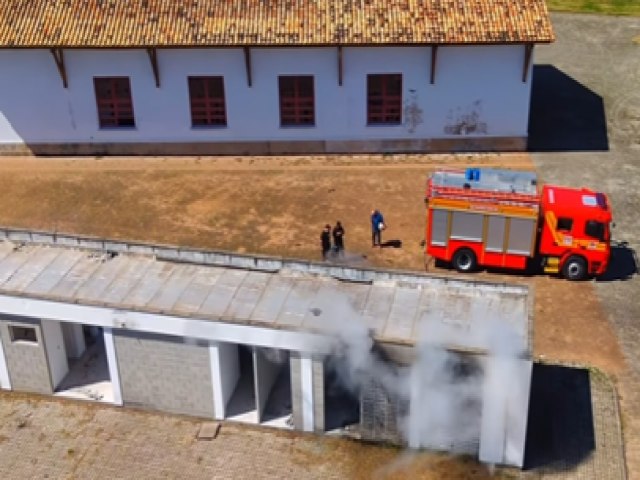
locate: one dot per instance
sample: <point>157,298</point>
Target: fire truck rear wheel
<point>464,260</point>
<point>575,268</point>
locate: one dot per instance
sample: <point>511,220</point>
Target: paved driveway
<point>589,113</point>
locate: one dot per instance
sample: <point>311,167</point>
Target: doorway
<point>88,377</point>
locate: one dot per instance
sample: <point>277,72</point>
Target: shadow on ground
<point>623,264</point>
<point>565,115</point>
<point>560,432</point>
<point>392,244</point>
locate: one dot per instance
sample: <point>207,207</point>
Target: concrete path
<point>44,437</point>
<point>588,110</point>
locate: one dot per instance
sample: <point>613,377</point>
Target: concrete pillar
<point>225,372</point>
<point>5,380</point>
<point>296,390</point>
<point>112,361</point>
<point>505,410</point>
<point>55,351</point>
<point>306,385</point>
<point>73,339</point>
<point>307,392</point>
<point>318,394</point>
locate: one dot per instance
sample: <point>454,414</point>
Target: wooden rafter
<point>340,65</point>
<point>153,58</point>
<point>528,50</point>
<point>58,57</point>
<point>434,60</point>
<point>247,64</point>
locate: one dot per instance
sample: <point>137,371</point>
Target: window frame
<point>600,235</point>
<point>389,110</point>
<point>114,111</point>
<point>292,107</point>
<point>213,107</point>
<point>18,334</point>
<point>564,224</point>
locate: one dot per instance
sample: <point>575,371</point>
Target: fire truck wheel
<point>464,260</point>
<point>575,268</point>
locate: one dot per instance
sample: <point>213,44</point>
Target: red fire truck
<point>502,218</point>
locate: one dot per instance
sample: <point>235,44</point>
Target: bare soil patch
<point>278,206</point>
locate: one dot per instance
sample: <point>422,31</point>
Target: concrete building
<point>147,77</point>
<point>415,359</point>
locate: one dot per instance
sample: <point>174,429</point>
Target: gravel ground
<point>600,109</point>
<point>44,438</point>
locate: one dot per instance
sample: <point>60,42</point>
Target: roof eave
<point>272,45</point>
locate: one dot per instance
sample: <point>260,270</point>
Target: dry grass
<point>277,206</point>
<point>611,7</point>
<point>262,205</point>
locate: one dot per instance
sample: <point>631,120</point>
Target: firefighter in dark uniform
<point>325,240</point>
<point>338,238</point>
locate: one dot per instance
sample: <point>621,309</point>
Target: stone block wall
<point>164,373</point>
<point>308,147</point>
<point>26,362</point>
<point>318,395</point>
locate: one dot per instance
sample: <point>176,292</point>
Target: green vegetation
<point>612,7</point>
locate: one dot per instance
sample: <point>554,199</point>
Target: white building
<point>413,359</point>
<point>239,76</point>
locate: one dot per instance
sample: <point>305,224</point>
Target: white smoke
<point>448,394</point>
<point>353,345</point>
<point>446,391</point>
<point>445,401</point>
<point>274,355</point>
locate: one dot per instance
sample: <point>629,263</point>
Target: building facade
<point>267,79</point>
<point>268,341</point>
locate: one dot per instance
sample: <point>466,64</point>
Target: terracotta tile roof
<point>138,23</point>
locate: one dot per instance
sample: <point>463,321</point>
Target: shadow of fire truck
<point>623,265</point>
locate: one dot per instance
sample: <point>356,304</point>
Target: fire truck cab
<point>502,218</point>
<point>575,234</point>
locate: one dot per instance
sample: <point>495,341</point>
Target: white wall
<point>505,410</point>
<point>225,373</point>
<point>74,342</point>
<point>56,353</point>
<point>112,362</point>
<point>306,384</point>
<point>5,380</point>
<point>265,373</point>
<point>35,108</point>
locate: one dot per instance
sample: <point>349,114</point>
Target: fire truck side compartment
<point>467,226</point>
<point>495,234</point>
<point>521,236</point>
<point>439,227</point>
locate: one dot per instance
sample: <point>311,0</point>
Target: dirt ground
<point>277,206</point>
<point>48,438</point>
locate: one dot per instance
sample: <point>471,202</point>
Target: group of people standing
<point>337,232</point>
<point>338,239</point>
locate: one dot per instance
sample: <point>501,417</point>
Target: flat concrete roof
<point>402,309</point>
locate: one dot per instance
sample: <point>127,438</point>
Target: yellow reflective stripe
<point>552,221</point>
